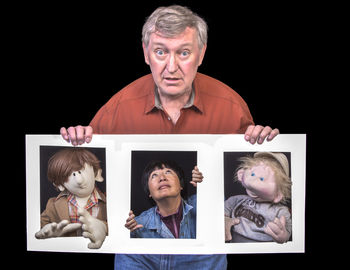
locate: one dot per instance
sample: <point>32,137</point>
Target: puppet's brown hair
<point>66,161</point>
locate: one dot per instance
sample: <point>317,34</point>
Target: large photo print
<point>166,194</point>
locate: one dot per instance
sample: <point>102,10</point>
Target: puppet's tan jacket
<point>57,210</point>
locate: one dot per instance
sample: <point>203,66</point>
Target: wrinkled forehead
<point>188,36</point>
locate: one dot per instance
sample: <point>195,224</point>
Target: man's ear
<point>99,177</point>
<point>278,197</point>
<point>240,174</point>
<point>202,53</point>
<point>145,53</point>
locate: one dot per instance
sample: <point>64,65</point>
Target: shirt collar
<point>153,100</point>
<point>178,212</point>
<point>158,104</point>
<point>156,220</point>
<point>96,195</point>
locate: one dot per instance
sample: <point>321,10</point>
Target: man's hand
<point>93,228</point>
<point>131,223</point>
<point>229,222</point>
<point>56,230</point>
<point>77,135</point>
<point>277,230</point>
<point>197,176</point>
<point>258,134</point>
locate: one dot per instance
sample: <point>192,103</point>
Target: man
<point>174,99</point>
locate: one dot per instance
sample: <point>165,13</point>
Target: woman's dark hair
<point>158,164</point>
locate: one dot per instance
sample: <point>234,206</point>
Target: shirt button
<point>169,118</point>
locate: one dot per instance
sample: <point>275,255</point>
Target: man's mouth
<point>171,79</point>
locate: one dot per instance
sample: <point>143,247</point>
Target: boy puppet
<point>260,216</point>
<point>80,206</point>
<point>172,217</point>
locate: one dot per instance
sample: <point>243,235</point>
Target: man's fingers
<point>88,134</point>
<point>252,133</point>
<point>263,134</point>
<point>64,134</point>
<point>248,132</point>
<point>77,135</point>
<point>273,134</point>
<point>259,133</point>
<point>72,135</point>
<point>80,133</point>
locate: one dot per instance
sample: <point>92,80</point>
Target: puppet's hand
<point>131,223</point>
<point>277,230</point>
<point>56,230</point>
<point>93,228</point>
<point>197,176</point>
<point>229,222</point>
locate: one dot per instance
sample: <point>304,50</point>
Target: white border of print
<point>210,193</point>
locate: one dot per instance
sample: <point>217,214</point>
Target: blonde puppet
<point>261,215</point>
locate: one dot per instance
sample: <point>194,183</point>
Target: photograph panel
<point>257,197</point>
<point>163,199</point>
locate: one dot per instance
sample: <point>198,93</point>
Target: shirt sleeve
<point>99,121</point>
<point>49,215</point>
<point>230,204</point>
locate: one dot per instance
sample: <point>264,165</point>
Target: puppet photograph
<point>261,215</point>
<point>80,207</point>
<point>172,216</point>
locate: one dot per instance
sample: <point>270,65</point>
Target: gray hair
<point>173,20</point>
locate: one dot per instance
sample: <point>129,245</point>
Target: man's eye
<point>159,52</point>
<point>74,174</point>
<point>261,178</point>
<point>253,174</point>
<point>185,53</point>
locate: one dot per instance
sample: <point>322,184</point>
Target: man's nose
<point>172,65</point>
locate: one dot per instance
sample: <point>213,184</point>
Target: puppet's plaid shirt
<point>91,206</point>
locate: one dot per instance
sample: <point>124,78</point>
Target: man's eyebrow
<point>163,44</point>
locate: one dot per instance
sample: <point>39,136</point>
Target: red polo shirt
<point>215,109</point>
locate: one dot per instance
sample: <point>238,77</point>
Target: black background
<point>64,61</point>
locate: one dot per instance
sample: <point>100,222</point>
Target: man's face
<point>174,61</point>
<point>81,183</point>
<point>164,183</point>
